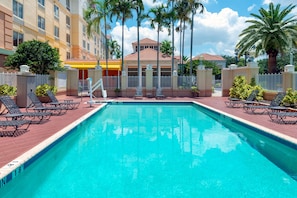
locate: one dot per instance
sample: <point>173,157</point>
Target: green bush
<point>290,97</point>
<point>41,90</point>
<point>240,89</point>
<point>8,90</point>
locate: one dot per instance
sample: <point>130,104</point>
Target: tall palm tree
<point>96,12</point>
<point>121,10</point>
<point>166,48</point>
<point>138,6</point>
<point>182,10</point>
<point>173,15</point>
<point>271,31</point>
<point>193,5</point>
<point>159,18</point>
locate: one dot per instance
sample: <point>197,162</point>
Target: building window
<point>56,11</point>
<point>95,51</point>
<point>68,39</point>
<point>68,21</point>
<point>84,29</point>
<point>56,32</point>
<point>18,38</point>
<point>88,46</point>
<point>84,44</point>
<point>68,5</point>
<point>41,23</point>
<point>18,9</point>
<point>95,40</point>
<point>68,55</point>
<point>41,2</point>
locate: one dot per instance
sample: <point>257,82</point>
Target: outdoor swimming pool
<point>160,150</point>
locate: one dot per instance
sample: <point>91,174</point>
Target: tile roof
<point>209,57</point>
<point>145,41</point>
<point>147,55</point>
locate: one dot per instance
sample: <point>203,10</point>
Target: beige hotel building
<point>60,22</point>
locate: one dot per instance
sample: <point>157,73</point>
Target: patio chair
<point>283,117</point>
<point>261,108</point>
<point>15,125</point>
<point>68,104</point>
<point>37,106</point>
<point>236,102</point>
<point>15,113</point>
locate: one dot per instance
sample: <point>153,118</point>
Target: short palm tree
<point>114,49</point>
<point>272,31</point>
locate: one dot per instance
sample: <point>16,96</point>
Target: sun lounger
<point>236,102</point>
<point>11,127</point>
<point>68,104</point>
<point>283,117</point>
<point>36,105</point>
<point>15,113</point>
<point>261,108</point>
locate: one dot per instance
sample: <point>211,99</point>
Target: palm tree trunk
<point>172,55</point>
<point>106,51</point>
<point>158,65</point>
<point>191,46</point>
<point>139,90</point>
<point>272,62</point>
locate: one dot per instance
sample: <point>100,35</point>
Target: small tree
<point>40,56</point>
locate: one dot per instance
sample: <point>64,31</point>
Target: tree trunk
<point>272,61</point>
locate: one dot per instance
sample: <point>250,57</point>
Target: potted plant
<point>195,91</point>
<point>41,92</point>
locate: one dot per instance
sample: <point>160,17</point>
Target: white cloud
<point>250,8</point>
<point>214,33</point>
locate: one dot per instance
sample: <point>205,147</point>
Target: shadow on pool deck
<point>12,147</point>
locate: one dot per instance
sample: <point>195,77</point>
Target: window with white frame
<point>84,29</point>
<point>88,46</point>
<point>56,29</point>
<point>18,9</point>
<point>68,39</point>
<point>67,21</point>
<point>68,5</point>
<point>84,44</point>
<point>56,11</point>
<point>41,23</point>
<point>41,2</point>
<point>18,38</point>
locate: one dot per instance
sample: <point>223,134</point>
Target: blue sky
<point>215,31</point>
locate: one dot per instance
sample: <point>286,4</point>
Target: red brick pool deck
<point>12,147</point>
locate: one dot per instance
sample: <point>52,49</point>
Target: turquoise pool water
<point>153,150</point>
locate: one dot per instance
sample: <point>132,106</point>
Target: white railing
<point>270,81</point>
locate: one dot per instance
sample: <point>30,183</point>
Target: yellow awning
<point>110,67</point>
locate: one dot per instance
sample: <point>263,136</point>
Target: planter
<point>44,99</point>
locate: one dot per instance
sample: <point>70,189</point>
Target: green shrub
<point>240,89</point>
<point>8,90</point>
<point>290,97</point>
<point>41,90</point>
